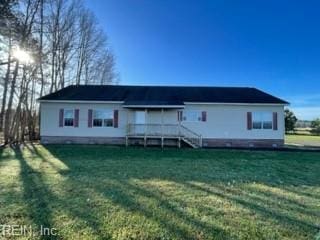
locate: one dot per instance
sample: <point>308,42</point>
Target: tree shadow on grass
<point>168,215</point>
<point>268,197</point>
<point>5,155</point>
<point>36,195</point>
<point>270,168</point>
<point>258,206</point>
<point>41,202</point>
<point>301,192</point>
<point>44,157</point>
<point>120,165</point>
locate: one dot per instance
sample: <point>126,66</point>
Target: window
<point>68,118</point>
<point>262,120</point>
<point>102,118</point>
<point>191,116</point>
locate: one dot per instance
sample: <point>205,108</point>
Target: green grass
<point>303,140</point>
<point>100,192</point>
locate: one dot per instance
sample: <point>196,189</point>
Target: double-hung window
<point>68,117</point>
<point>262,120</point>
<point>192,116</point>
<point>102,118</point>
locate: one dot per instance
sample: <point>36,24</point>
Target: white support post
<point>145,127</point>
<point>179,125</point>
<point>161,122</point>
<point>146,122</point>
<point>128,128</point>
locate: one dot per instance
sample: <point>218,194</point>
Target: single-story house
<point>163,115</point>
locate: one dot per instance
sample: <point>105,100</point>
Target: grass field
<point>99,192</point>
<point>303,140</point>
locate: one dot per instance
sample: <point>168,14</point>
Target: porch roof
<point>153,104</point>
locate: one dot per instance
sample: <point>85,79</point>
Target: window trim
<point>262,121</point>
<point>102,109</point>
<point>64,117</point>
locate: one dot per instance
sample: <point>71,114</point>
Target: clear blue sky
<point>272,45</point>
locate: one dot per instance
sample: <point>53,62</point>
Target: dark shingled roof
<point>163,95</point>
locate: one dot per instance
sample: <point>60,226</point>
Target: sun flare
<point>22,55</point>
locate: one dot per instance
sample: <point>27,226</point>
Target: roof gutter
<point>240,104</point>
<point>78,101</point>
<point>162,106</point>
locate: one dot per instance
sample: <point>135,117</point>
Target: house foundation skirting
<point>106,140</point>
<point>206,142</point>
<point>243,143</point>
<point>82,140</point>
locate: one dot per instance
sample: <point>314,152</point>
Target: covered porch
<point>158,124</point>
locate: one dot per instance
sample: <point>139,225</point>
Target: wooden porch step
<point>190,143</point>
<point>162,132</point>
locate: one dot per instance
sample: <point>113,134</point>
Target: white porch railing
<point>153,130</point>
<point>165,131</point>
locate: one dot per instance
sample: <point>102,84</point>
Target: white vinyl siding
<point>223,121</point>
<point>230,121</point>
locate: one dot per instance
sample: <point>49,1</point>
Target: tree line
<point>46,45</point>
<point>291,124</point>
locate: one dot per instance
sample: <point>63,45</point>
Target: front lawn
<point>302,140</point>
<point>100,192</point>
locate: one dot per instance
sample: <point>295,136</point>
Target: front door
<point>140,117</point>
<point>140,121</point>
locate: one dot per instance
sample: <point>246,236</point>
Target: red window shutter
<point>204,116</point>
<point>90,118</point>
<point>115,118</point>
<point>61,112</point>
<point>275,121</point>
<point>249,120</point>
<point>76,118</point>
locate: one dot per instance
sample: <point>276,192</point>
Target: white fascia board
<point>78,101</point>
<point>163,106</point>
<point>240,104</point>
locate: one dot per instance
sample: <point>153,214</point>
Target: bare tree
<point>67,47</point>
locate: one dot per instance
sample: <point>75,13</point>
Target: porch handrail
<point>153,129</point>
<point>191,136</point>
<point>165,130</point>
<point>192,132</point>
<point>153,124</point>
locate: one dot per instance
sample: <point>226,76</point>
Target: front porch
<point>158,122</point>
<point>163,132</point>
